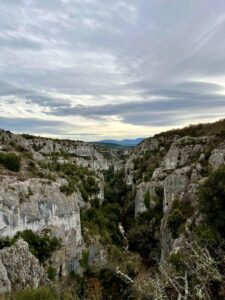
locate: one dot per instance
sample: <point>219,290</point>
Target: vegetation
<point>175,221</point>
<point>51,271</point>
<point>10,161</point>
<point>143,236</point>
<point>104,219</point>
<point>211,199</point>
<point>40,246</point>
<point>145,165</point>
<point>84,260</point>
<point>77,176</point>
<point>180,212</point>
<point>42,293</point>
<point>207,129</point>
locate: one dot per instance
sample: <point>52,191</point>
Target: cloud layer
<point>112,69</point>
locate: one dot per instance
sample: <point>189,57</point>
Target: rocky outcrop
<point>183,151</point>
<point>38,204</point>
<point>19,269</point>
<point>142,189</point>
<point>150,144</point>
<point>178,173</point>
<point>174,185</point>
<point>217,157</point>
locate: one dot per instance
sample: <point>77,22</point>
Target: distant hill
<point>109,145</point>
<point>125,143</point>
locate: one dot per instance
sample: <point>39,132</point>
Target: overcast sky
<point>96,69</point>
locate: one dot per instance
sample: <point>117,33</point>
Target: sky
<point>96,69</point>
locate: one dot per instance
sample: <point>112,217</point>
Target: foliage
<point>84,259</point>
<point>209,129</point>
<point>104,219</point>
<point>42,293</point>
<point>143,236</point>
<point>40,246</point>
<point>211,200</point>
<point>28,136</point>
<point>10,161</point>
<point>180,212</point>
<point>51,271</point>
<point>69,188</point>
<point>142,239</point>
<point>175,220</point>
<point>5,242</point>
<point>192,274</point>
<point>145,165</point>
<point>147,200</point>
<point>77,176</point>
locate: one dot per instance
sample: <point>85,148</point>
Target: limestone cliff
<point>61,180</point>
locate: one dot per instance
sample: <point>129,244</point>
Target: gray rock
<point>174,185</point>
<point>39,205</point>
<point>142,189</point>
<point>19,268</point>
<point>217,157</point>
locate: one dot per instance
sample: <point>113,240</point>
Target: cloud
<point>34,125</point>
<point>144,63</point>
<point>170,105</point>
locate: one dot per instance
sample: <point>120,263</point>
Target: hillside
<point>125,143</point>
<point>85,221</point>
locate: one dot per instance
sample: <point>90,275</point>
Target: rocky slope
<point>97,200</point>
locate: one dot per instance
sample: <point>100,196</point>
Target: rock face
<point>174,185</point>
<point>142,189</point>
<point>19,269</point>
<point>33,200</point>
<point>38,204</point>
<point>173,164</point>
<point>183,150</point>
<point>217,157</point>
<point>180,170</point>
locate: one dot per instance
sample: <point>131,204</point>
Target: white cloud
<point>112,68</point>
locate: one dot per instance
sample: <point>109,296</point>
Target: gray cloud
<point>148,62</point>
<point>175,103</point>
<point>28,125</point>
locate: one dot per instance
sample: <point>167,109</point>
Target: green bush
<point>211,200</point>
<point>147,200</point>
<point>84,260</point>
<point>142,240</point>
<point>176,259</point>
<point>40,246</point>
<point>175,221</point>
<point>10,161</point>
<point>42,293</point>
<point>51,273</point>
<point>69,188</point>
<point>5,242</point>
<point>143,235</point>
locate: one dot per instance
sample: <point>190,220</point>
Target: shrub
<point>142,240</point>
<point>147,200</point>
<point>43,293</point>
<point>5,242</point>
<point>51,273</point>
<point>211,200</point>
<point>175,221</point>
<point>40,246</point>
<point>69,188</point>
<point>10,161</point>
<point>176,259</point>
<point>84,260</point>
